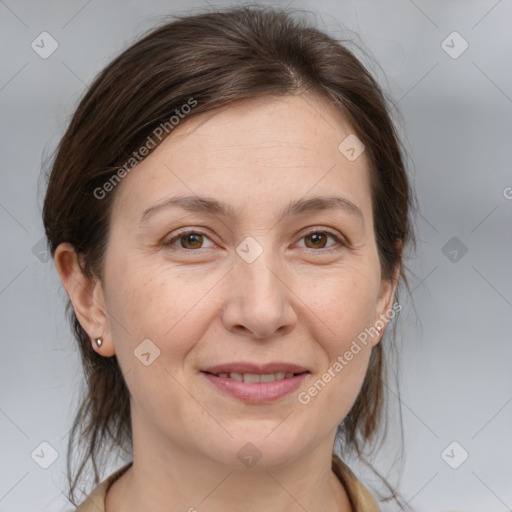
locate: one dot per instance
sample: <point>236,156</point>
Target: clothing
<point>361,499</point>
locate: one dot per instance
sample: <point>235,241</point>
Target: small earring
<point>98,342</point>
<point>379,329</point>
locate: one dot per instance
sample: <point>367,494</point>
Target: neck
<point>174,478</point>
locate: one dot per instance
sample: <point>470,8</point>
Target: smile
<point>256,388</point>
<point>255,377</point>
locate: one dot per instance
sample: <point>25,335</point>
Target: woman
<point>227,212</point>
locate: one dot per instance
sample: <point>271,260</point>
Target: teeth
<point>254,377</point>
<point>251,377</point>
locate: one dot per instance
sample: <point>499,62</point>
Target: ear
<point>86,295</point>
<point>384,310</point>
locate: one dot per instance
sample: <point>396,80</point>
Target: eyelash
<point>341,243</point>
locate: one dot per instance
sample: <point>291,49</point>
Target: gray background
<point>455,345</point>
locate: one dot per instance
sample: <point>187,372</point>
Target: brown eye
<point>189,240</point>
<point>318,240</point>
<point>192,241</point>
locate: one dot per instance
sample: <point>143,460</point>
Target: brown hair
<point>216,58</point>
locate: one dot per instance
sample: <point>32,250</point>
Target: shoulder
<point>360,497</point>
<point>95,502</point>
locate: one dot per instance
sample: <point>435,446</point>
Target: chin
<point>259,447</point>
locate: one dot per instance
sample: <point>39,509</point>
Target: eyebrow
<point>214,207</point>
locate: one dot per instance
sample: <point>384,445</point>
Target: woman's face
<point>260,283</point>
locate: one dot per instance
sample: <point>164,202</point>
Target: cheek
<point>160,304</point>
<point>148,303</point>
<point>342,307</point>
<point>344,302</point>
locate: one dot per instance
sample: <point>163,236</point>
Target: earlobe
<point>86,295</point>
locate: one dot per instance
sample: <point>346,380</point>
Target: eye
<point>192,239</point>
<point>318,239</point>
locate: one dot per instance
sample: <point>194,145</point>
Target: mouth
<point>256,385</point>
<point>254,378</point>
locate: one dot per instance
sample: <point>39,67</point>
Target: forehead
<point>251,154</point>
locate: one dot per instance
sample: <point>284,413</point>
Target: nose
<point>259,304</point>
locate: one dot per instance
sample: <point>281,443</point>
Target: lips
<point>256,384</point>
<point>242,367</point>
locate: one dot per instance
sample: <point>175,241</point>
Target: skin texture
<point>202,304</point>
